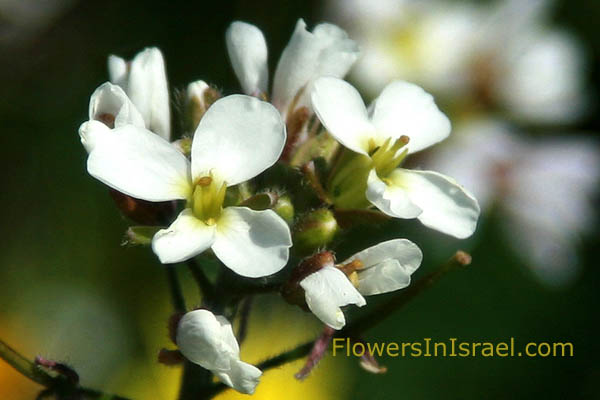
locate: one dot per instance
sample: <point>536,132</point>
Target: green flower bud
<point>314,230</point>
<point>285,209</point>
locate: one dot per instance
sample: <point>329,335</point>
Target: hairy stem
<point>24,366</point>
<point>53,384</point>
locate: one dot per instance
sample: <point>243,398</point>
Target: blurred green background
<point>69,291</point>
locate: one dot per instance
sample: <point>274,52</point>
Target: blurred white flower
<point>208,340</point>
<point>402,120</point>
<point>543,188</point>
<point>327,51</point>
<point>144,79</point>
<point>379,269</point>
<point>137,163</point>
<point>501,54</point>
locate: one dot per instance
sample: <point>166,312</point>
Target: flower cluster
<point>259,180</point>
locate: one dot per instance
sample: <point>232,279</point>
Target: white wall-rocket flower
<point>208,340</point>
<point>144,79</point>
<point>402,120</point>
<point>137,163</point>
<point>502,53</point>
<point>543,189</point>
<point>326,51</point>
<point>379,269</point>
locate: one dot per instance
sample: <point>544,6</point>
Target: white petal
<point>326,291</point>
<point>447,206</point>
<point>390,199</point>
<point>112,101</point>
<point>185,238</point>
<point>406,109</point>
<point>118,71</point>
<point>343,113</point>
<point>148,90</point>
<point>136,162</point>
<point>404,251</point>
<point>248,53</point>
<point>238,138</point>
<point>326,51</point>
<point>252,243</point>
<point>386,277</point>
<point>387,266</point>
<point>201,338</point>
<point>242,377</point>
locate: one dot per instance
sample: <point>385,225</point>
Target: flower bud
<point>261,201</point>
<point>141,211</point>
<point>200,96</point>
<point>314,230</point>
<point>285,209</point>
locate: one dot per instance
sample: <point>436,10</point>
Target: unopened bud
<point>200,96</point>
<point>184,145</point>
<point>141,211</point>
<point>285,209</point>
<point>314,230</point>
<point>140,235</point>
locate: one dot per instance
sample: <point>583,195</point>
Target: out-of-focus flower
<point>402,120</point>
<point>137,163</point>
<point>208,340</point>
<point>543,188</point>
<point>327,51</point>
<point>379,269</point>
<point>502,55</point>
<point>144,79</point>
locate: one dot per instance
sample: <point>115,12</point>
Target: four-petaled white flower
<point>327,51</point>
<point>135,162</point>
<point>144,79</point>
<point>402,120</point>
<point>502,52</point>
<point>382,268</point>
<point>208,340</point>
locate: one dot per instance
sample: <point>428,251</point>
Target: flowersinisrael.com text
<point>452,348</point>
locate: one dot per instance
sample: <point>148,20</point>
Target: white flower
<point>208,340</point>
<point>326,291</point>
<point>502,53</point>
<point>144,79</point>
<point>543,189</point>
<point>326,51</point>
<point>110,105</point>
<point>402,120</point>
<point>382,268</point>
<point>224,153</point>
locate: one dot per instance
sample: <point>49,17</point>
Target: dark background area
<point>61,231</point>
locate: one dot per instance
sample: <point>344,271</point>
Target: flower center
<point>348,182</point>
<point>387,157</point>
<point>207,199</point>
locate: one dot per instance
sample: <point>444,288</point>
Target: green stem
<point>375,316</point>
<point>24,366</point>
<point>175,288</point>
<point>196,383</point>
<point>38,375</point>
<point>204,284</point>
